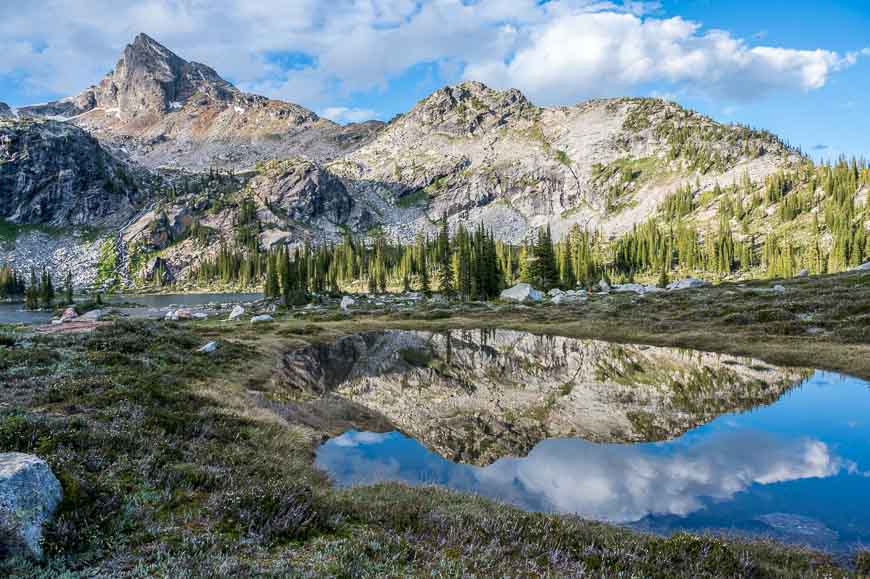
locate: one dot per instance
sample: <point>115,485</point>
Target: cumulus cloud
<point>616,483</point>
<point>558,52</point>
<point>348,115</point>
<point>582,54</point>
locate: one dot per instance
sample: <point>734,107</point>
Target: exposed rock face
<point>54,173</point>
<point>299,190</point>
<point>29,496</point>
<point>476,396</point>
<point>165,110</point>
<point>487,156</point>
<point>5,111</point>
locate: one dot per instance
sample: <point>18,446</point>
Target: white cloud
<point>348,115</point>
<point>584,54</point>
<point>557,52</point>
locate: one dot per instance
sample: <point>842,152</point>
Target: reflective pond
<point>652,438</point>
<point>14,313</point>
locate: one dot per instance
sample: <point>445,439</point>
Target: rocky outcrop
<point>299,190</point>
<point>522,292</point>
<point>166,111</point>
<point>476,396</point>
<point>29,496</point>
<point>5,111</point>
<point>56,174</point>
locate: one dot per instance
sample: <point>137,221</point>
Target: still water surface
<point>797,469</point>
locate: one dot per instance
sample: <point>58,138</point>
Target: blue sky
<point>797,68</point>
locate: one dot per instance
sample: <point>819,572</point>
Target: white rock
<point>200,316</point>
<point>68,315</point>
<point>603,285</point>
<point>779,289</point>
<point>260,319</point>
<point>29,496</point>
<point>688,283</point>
<point>636,288</point>
<point>346,302</point>
<point>555,292</point>
<point>863,267</point>
<point>803,273</point>
<point>238,312</point>
<point>522,292</point>
<point>208,348</point>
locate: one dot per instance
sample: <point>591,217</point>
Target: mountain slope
<point>164,110</point>
<point>493,157</point>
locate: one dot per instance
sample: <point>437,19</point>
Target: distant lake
<point>16,314</point>
<point>665,440</point>
<point>187,300</point>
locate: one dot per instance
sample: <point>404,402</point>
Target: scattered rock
<point>262,318</point>
<point>779,289</point>
<point>29,496</point>
<point>863,267</point>
<point>179,314</point>
<point>566,298</point>
<point>603,285</point>
<point>636,288</point>
<point>803,273</point>
<point>522,292</point>
<point>236,313</point>
<point>208,348</point>
<point>200,316</point>
<point>346,302</point>
<point>555,292</point>
<point>688,283</point>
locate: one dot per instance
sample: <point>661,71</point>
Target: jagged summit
<point>162,110</point>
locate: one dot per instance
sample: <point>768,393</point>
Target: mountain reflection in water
<point>792,470</point>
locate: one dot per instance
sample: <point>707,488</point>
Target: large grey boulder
<point>29,496</point>
<point>522,292</point>
<point>236,313</point>
<point>688,283</point>
<point>346,302</point>
<point>863,267</point>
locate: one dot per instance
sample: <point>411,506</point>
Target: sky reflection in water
<point>795,470</point>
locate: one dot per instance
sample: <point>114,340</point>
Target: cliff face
<point>476,396</point>
<point>53,173</point>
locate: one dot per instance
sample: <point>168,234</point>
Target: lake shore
<point>178,462</point>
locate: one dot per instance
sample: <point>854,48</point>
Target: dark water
<point>187,300</point>
<point>797,470</point>
<point>16,314</point>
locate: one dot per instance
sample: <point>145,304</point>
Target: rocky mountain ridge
<point>475,154</point>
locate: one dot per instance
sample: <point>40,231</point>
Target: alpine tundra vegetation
<point>565,334</point>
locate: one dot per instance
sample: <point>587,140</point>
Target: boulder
<point>92,316</point>
<point>555,292</point>
<point>200,316</point>
<point>522,292</point>
<point>208,348</point>
<point>179,314</point>
<point>261,319</point>
<point>688,283</point>
<point>29,496</point>
<point>603,285</point>
<point>863,267</point>
<point>803,273</point>
<point>779,289</point>
<point>68,315</point>
<point>236,313</point>
<point>346,302</point>
<point>636,288</point>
